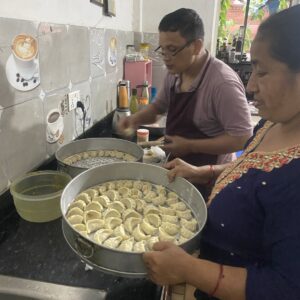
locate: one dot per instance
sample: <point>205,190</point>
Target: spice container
<point>142,135</point>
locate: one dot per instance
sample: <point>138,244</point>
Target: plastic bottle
<point>144,99</point>
<point>134,105</point>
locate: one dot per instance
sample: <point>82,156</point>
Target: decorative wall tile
<point>58,134</point>
<point>111,55</point>
<point>82,123</point>
<point>100,95</point>
<point>22,128</point>
<point>54,53</point>
<point>9,28</point>
<point>78,52</point>
<point>97,52</point>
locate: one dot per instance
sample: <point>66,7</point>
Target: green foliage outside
<point>256,12</point>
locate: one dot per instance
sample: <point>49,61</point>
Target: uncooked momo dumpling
<point>167,211</point>
<point>103,200</point>
<point>139,246</point>
<point>84,197</point>
<point>120,231</point>
<point>74,211</point>
<point>112,222</point>
<point>117,205</point>
<point>79,203</point>
<point>113,242</point>
<point>124,191</point>
<point>154,219</point>
<point>148,228</point>
<point>80,227</point>
<point>110,212</point>
<point>159,200</point>
<point>128,202</point>
<point>130,223</point>
<point>112,195</point>
<point>151,209</point>
<point>170,228</point>
<point>163,236</point>
<point>102,234</point>
<point>90,215</point>
<point>130,213</point>
<point>94,225</point>
<point>152,241</point>
<point>94,205</point>
<point>186,233</point>
<point>138,234</point>
<point>190,225</point>
<point>170,219</point>
<point>178,206</point>
<point>185,214</point>
<point>92,193</point>
<point>127,245</point>
<point>75,219</point>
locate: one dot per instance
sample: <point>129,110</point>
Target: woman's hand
<point>167,264</point>
<point>194,174</point>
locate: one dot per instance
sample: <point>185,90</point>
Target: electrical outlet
<point>73,98</point>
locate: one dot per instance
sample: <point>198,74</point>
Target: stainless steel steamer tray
<point>94,144</point>
<point>113,261</point>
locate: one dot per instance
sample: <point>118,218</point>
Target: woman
<point>250,247</point>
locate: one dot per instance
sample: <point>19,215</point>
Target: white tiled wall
<point>70,58</point>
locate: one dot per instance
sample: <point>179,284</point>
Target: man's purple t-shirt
<point>221,106</point>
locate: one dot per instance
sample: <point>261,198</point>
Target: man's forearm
<point>145,116</point>
<point>217,145</point>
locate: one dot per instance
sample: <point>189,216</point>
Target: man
<point>207,111</point>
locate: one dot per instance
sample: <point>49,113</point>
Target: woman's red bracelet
<point>211,168</point>
<point>221,275</point>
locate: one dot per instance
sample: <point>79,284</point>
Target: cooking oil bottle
<point>134,105</point>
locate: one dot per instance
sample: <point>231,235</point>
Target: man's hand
<point>167,264</point>
<point>126,127</point>
<point>177,145</point>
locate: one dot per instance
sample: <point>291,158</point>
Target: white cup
<point>25,49</point>
<point>55,124</point>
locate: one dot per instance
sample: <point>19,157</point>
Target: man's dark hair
<point>282,31</point>
<point>184,20</point>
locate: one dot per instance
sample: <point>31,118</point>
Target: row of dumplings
<point>120,215</point>
<point>119,155</point>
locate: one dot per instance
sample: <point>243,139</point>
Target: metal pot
<point>113,261</point>
<point>94,144</point>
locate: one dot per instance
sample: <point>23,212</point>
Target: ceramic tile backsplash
<point>78,52</point>
<point>100,96</point>
<point>37,122</point>
<point>8,70</point>
<point>111,50</point>
<point>22,128</point>
<point>53,56</point>
<point>97,52</point>
<point>58,131</point>
<point>83,114</point>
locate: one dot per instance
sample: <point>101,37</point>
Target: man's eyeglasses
<point>170,53</point>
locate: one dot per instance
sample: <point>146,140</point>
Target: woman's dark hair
<point>184,20</point>
<point>282,31</point>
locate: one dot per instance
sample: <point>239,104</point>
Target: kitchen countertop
<point>39,251</point>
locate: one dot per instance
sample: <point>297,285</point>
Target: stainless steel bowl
<point>113,261</point>
<point>94,144</point>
